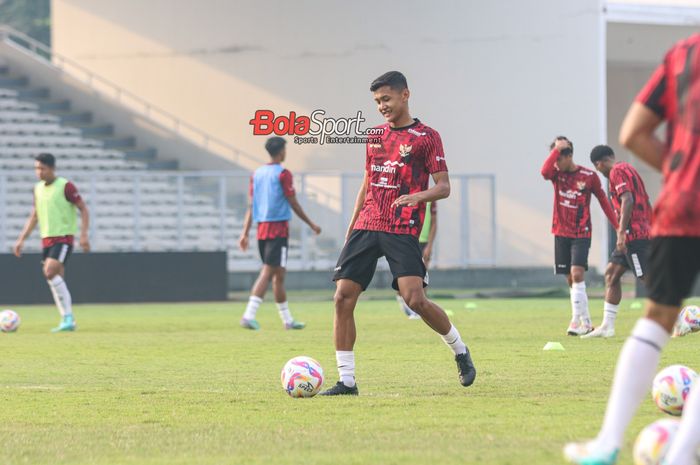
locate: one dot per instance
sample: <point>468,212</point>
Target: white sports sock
<point>285,314</point>
<point>610,314</point>
<point>634,373</point>
<point>454,340</point>
<point>579,303</point>
<point>685,445</point>
<point>346,366</point>
<point>252,307</point>
<point>61,295</point>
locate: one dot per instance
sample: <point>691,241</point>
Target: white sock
<point>61,295</point>
<point>252,307</point>
<point>634,374</point>
<point>346,366</point>
<point>454,340</point>
<point>609,314</point>
<point>285,314</point>
<point>684,446</point>
<point>579,303</point>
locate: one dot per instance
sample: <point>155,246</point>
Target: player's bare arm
<point>637,134</point>
<point>243,240</point>
<point>28,228</point>
<point>359,202</point>
<point>296,207</point>
<point>440,190</point>
<point>626,205</point>
<point>84,225</point>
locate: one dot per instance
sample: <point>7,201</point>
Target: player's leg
<point>353,273</point>
<point>613,295</point>
<point>562,266</point>
<point>673,265</point>
<point>280,294</point>
<point>54,272</point>
<point>578,295</point>
<point>257,293</point>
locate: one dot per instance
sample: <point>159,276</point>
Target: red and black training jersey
<point>71,194</point>
<point>624,178</point>
<point>275,229</point>
<point>401,163</point>
<point>673,93</point>
<point>572,199</point>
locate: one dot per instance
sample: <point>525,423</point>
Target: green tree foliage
<point>33,17</point>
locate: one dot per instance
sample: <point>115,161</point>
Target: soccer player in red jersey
<point>387,219</point>
<point>571,224</point>
<point>672,94</point>
<point>56,203</point>
<point>272,200</point>
<point>631,203</point>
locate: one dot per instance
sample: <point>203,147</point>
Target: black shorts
<point>273,252</point>
<point>60,252</point>
<point>358,259</point>
<point>636,259</point>
<point>569,251</point>
<point>674,263</point>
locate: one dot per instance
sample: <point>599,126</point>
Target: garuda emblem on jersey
<point>405,150</point>
<point>581,185</point>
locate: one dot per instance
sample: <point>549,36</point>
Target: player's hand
<point>17,249</point>
<point>560,144</point>
<point>427,254</point>
<point>315,228</point>
<point>85,243</point>
<point>621,245</point>
<point>408,199</point>
<point>243,243</point>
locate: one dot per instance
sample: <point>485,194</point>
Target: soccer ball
<point>302,377</point>
<point>671,387</point>
<point>653,442</point>
<point>9,321</point>
<point>688,321</point>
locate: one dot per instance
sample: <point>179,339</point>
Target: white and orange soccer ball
<point>671,387</point>
<point>9,321</point>
<point>302,377</point>
<point>688,321</point>
<point>653,441</point>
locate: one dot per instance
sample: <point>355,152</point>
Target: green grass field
<point>183,384</point>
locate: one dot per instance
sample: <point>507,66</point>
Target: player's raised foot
<point>465,367</point>
<point>340,390</point>
<point>601,331</point>
<point>295,325</point>
<point>578,329</point>
<point>250,324</point>
<point>589,453</point>
<point>67,324</point>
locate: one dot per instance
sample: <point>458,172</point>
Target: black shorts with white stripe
<point>273,252</point>
<point>636,259</point>
<point>60,252</point>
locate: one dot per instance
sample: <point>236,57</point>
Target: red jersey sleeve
<point>71,193</point>
<point>549,168</point>
<point>598,191</point>
<point>653,94</point>
<point>287,183</point>
<point>434,154</point>
<point>619,182</point>
<point>368,158</point>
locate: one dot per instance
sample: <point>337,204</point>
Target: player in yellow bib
<point>425,241</point>
<point>56,202</point>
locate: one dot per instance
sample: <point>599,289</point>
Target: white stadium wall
<point>497,79</point>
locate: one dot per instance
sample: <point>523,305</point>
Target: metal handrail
<point>175,125</point>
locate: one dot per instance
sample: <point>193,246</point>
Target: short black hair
<point>274,145</point>
<point>601,151</point>
<point>46,159</point>
<point>563,152</point>
<point>393,79</point>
